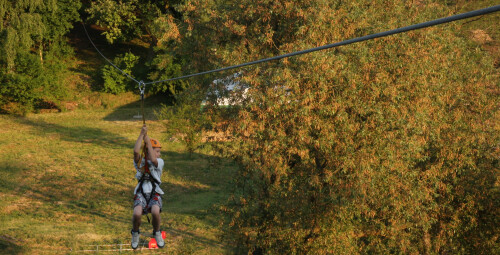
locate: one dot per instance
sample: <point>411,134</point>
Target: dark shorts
<point>140,200</point>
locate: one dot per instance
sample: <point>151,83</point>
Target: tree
<point>21,29</point>
<point>34,28</point>
<point>152,21</point>
<point>386,146</point>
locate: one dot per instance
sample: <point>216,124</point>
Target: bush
<point>185,120</point>
<point>22,90</point>
<point>32,85</point>
<point>115,81</point>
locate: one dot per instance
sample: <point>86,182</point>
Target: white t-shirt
<point>155,173</point>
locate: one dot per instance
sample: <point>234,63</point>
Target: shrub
<point>114,80</point>
<point>21,90</point>
<point>185,120</point>
<point>165,67</point>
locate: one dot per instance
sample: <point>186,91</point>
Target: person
<point>147,193</point>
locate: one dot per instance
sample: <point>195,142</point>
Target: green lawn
<point>67,180</point>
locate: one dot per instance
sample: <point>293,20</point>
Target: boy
<point>147,193</point>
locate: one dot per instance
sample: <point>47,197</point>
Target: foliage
<point>166,67</point>
<point>154,23</point>
<point>118,17</point>
<point>127,19</point>
<point>33,50</point>
<point>20,29</point>
<point>58,18</point>
<point>27,24</point>
<point>32,85</point>
<point>115,81</point>
<point>185,120</point>
<point>386,146</point>
<point>19,88</point>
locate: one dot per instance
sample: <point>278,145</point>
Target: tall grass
<point>67,180</point>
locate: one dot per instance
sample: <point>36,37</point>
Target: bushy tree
<point>32,50</point>
<point>114,80</point>
<point>386,146</point>
<point>152,21</point>
<point>165,66</point>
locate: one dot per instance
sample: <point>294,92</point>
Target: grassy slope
<point>483,29</point>
<point>66,181</point>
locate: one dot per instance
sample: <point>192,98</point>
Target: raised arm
<point>138,143</point>
<point>151,154</point>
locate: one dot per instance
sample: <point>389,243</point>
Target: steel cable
<point>324,47</point>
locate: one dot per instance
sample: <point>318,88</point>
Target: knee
<point>137,215</point>
<point>155,210</point>
<point>137,212</point>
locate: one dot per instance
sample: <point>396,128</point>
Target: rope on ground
<point>328,46</point>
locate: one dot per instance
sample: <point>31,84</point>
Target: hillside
<point>67,179</point>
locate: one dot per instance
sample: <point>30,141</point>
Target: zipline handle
<point>142,88</point>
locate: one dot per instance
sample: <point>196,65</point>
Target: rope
<point>142,88</point>
<point>328,46</point>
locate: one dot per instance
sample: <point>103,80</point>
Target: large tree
<point>386,146</point>
<point>30,32</point>
<point>154,22</point>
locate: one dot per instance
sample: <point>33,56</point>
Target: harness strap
<point>153,181</point>
<point>148,177</point>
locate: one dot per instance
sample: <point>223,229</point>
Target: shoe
<point>135,239</point>
<point>159,239</point>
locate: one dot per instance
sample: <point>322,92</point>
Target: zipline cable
<point>350,41</point>
<point>328,46</point>
<point>123,72</point>
<point>141,84</point>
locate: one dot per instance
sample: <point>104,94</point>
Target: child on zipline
<point>147,193</point>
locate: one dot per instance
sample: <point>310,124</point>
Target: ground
<point>67,180</point>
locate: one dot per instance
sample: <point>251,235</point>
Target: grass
<point>67,180</point>
<point>483,30</point>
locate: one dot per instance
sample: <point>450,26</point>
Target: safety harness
<point>147,176</point>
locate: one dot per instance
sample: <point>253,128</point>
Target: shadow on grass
<point>9,246</point>
<point>200,188</point>
<point>192,237</point>
<point>9,184</point>
<point>64,198</point>
<point>9,173</point>
<point>79,134</point>
<point>64,194</point>
<point>128,111</point>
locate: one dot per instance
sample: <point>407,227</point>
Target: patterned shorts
<point>140,200</point>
